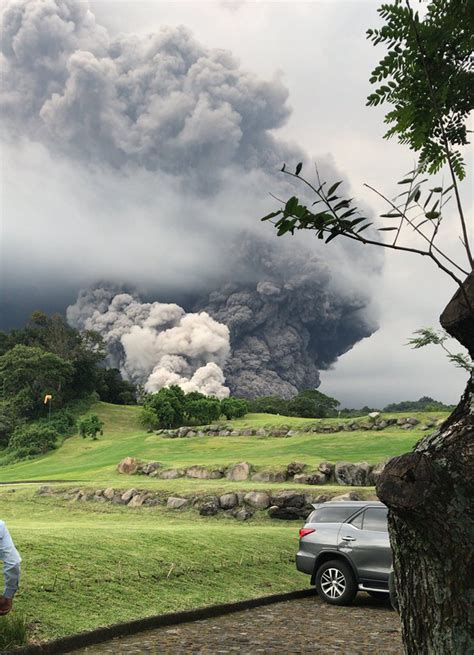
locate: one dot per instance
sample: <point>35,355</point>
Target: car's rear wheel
<point>335,583</point>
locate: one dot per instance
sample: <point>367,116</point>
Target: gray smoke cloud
<point>162,101</point>
<point>149,159</point>
<point>156,344</point>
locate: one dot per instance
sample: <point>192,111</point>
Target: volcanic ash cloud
<point>156,344</point>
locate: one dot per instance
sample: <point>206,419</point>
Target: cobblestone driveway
<point>297,626</point>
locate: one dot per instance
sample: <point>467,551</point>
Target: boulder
<point>177,503</point>
<point>401,420</point>
<point>109,493</point>
<point>289,513</point>
<point>228,501</point>
<point>412,420</point>
<point>128,466</point>
<point>171,474</point>
<point>138,500</point>
<point>374,415</point>
<point>242,514</point>
<point>294,468</point>
<point>238,472</point>
<point>381,425</point>
<point>349,496</point>
<point>261,432</point>
<point>202,473</point>
<point>257,499</point>
<point>183,432</point>
<point>310,478</point>
<point>353,475</point>
<point>128,495</point>
<point>288,498</point>
<point>407,426</point>
<point>149,468</point>
<point>269,476</point>
<point>45,491</point>
<point>209,507</point>
<point>323,498</point>
<point>327,469</point>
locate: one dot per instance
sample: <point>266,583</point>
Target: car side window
<point>357,521</point>
<point>375,519</point>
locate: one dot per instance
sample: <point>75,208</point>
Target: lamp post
<point>47,401</point>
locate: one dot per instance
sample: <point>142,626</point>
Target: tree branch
<point>443,134</point>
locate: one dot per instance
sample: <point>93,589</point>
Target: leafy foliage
<point>427,76</point>
<point>309,403</point>
<point>233,408</point>
<point>91,426</point>
<point>428,335</point>
<point>34,439</point>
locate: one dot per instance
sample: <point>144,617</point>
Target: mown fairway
<point>95,461</point>
<point>87,565</point>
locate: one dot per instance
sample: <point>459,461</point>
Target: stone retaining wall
<point>285,504</point>
<point>372,422</point>
<point>360,474</point>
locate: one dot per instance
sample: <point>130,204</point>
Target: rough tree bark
<point>430,493</point>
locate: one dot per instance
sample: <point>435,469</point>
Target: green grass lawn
<point>95,461</point>
<point>90,565</point>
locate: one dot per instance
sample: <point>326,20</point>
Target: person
<point>11,569</point>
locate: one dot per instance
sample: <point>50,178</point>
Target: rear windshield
<point>331,514</point>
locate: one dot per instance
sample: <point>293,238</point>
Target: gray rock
<point>149,468</point>
<point>257,499</point>
<point>171,474</point>
<point>349,474</point>
<point>238,472</point>
<point>294,468</point>
<point>310,478</point>
<point>412,421</point>
<point>177,503</point>
<point>269,476</point>
<point>401,421</point>
<point>45,491</point>
<point>327,469</point>
<point>228,501</point>
<point>289,513</point>
<point>261,432</point>
<point>109,493</point>
<point>128,495</point>
<point>209,507</point>
<point>407,426</point>
<point>288,498</point>
<point>242,514</point>
<point>374,415</point>
<point>381,425</point>
<point>202,473</point>
<point>349,496</point>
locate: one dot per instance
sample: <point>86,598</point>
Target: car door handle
<point>349,538</point>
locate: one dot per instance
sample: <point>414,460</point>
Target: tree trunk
<point>430,493</point>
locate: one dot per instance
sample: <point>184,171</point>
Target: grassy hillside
<point>87,565</point>
<point>95,461</point>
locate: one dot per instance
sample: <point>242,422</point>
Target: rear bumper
<point>305,562</point>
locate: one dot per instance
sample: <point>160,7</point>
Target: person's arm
<point>11,568</point>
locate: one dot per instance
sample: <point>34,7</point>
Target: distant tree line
<point>50,358</point>
<point>171,407</point>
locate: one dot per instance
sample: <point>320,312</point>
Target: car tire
<point>380,595</point>
<point>336,583</point>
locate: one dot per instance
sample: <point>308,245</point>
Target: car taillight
<point>306,531</point>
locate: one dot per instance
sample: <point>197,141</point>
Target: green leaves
<point>427,77</point>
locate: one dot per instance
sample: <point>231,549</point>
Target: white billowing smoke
<point>156,344</point>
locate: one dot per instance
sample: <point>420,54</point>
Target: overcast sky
<point>319,53</point>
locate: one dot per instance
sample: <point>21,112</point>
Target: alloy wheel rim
<point>333,583</point>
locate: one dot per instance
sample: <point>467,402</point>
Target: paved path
<point>293,627</point>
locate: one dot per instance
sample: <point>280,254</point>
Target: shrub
<point>91,426</point>
<point>148,418</point>
<point>233,408</point>
<point>33,439</point>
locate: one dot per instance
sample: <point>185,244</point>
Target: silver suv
<point>344,547</point>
